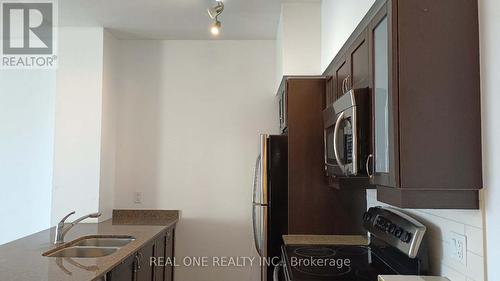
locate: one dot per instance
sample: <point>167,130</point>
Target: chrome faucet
<point>61,230</point>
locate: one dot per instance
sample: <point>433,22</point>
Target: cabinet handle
<point>138,260</point>
<point>367,166</point>
<point>136,268</point>
<point>345,84</point>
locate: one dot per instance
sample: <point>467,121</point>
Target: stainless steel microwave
<point>346,135</point>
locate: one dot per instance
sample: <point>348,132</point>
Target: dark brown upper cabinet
<point>359,75</point>
<point>420,61</point>
<point>349,70</point>
<point>342,75</point>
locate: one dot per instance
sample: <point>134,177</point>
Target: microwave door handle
<point>335,144</point>
<point>355,168</point>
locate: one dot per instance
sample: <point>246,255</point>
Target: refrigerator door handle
<point>256,177</point>
<point>262,176</point>
<point>259,218</point>
<point>256,231</point>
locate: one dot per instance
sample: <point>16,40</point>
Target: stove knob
<point>367,216</point>
<point>387,226</point>
<point>406,237</point>
<point>392,228</point>
<point>380,223</point>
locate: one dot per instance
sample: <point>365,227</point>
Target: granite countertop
<point>325,240</point>
<point>22,260</point>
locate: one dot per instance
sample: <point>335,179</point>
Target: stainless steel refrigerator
<point>269,204</point>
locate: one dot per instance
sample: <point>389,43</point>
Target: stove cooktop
<point>335,263</point>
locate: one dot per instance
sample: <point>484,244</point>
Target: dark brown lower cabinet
<point>169,256</point>
<point>144,269</point>
<point>160,245</point>
<point>123,271</point>
<point>138,267</point>
<point>164,248</point>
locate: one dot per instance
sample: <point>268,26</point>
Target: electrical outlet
<point>138,197</point>
<point>459,247</point>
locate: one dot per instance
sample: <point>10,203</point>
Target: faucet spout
<point>61,230</point>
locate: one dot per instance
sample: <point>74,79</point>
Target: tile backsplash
<point>440,226</point>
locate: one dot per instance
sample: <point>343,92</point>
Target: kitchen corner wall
<point>26,151</point>
<point>189,115</point>
<point>109,123</point>
<point>298,40</point>
<point>57,135</point>
<point>84,137</point>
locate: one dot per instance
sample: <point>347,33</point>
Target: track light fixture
<point>214,13</point>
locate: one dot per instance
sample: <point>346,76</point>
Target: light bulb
<point>215,28</point>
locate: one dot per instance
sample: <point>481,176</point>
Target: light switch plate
<point>458,247</point>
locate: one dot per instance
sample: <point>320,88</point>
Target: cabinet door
<point>144,268</point>
<point>359,55</point>
<point>124,271</point>
<point>384,103</point>
<point>169,255</point>
<point>331,94</point>
<point>342,76</point>
<point>160,253</point>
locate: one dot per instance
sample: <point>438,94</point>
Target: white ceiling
<point>174,19</point>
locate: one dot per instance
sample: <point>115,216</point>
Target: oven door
<point>340,138</point>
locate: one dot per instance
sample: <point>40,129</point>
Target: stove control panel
<point>395,228</point>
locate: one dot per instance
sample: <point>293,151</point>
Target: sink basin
<point>91,246</point>
<point>105,241</point>
<point>84,252</point>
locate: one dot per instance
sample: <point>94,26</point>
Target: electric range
<point>396,247</point>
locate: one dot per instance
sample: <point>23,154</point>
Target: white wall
<point>109,123</point>
<point>489,12</point>
<point>188,122</point>
<point>26,150</point>
<point>77,139</point>
<point>298,47</point>
<point>339,18</point>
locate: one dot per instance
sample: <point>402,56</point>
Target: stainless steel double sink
<point>91,246</point>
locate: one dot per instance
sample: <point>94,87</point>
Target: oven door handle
<point>335,144</point>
